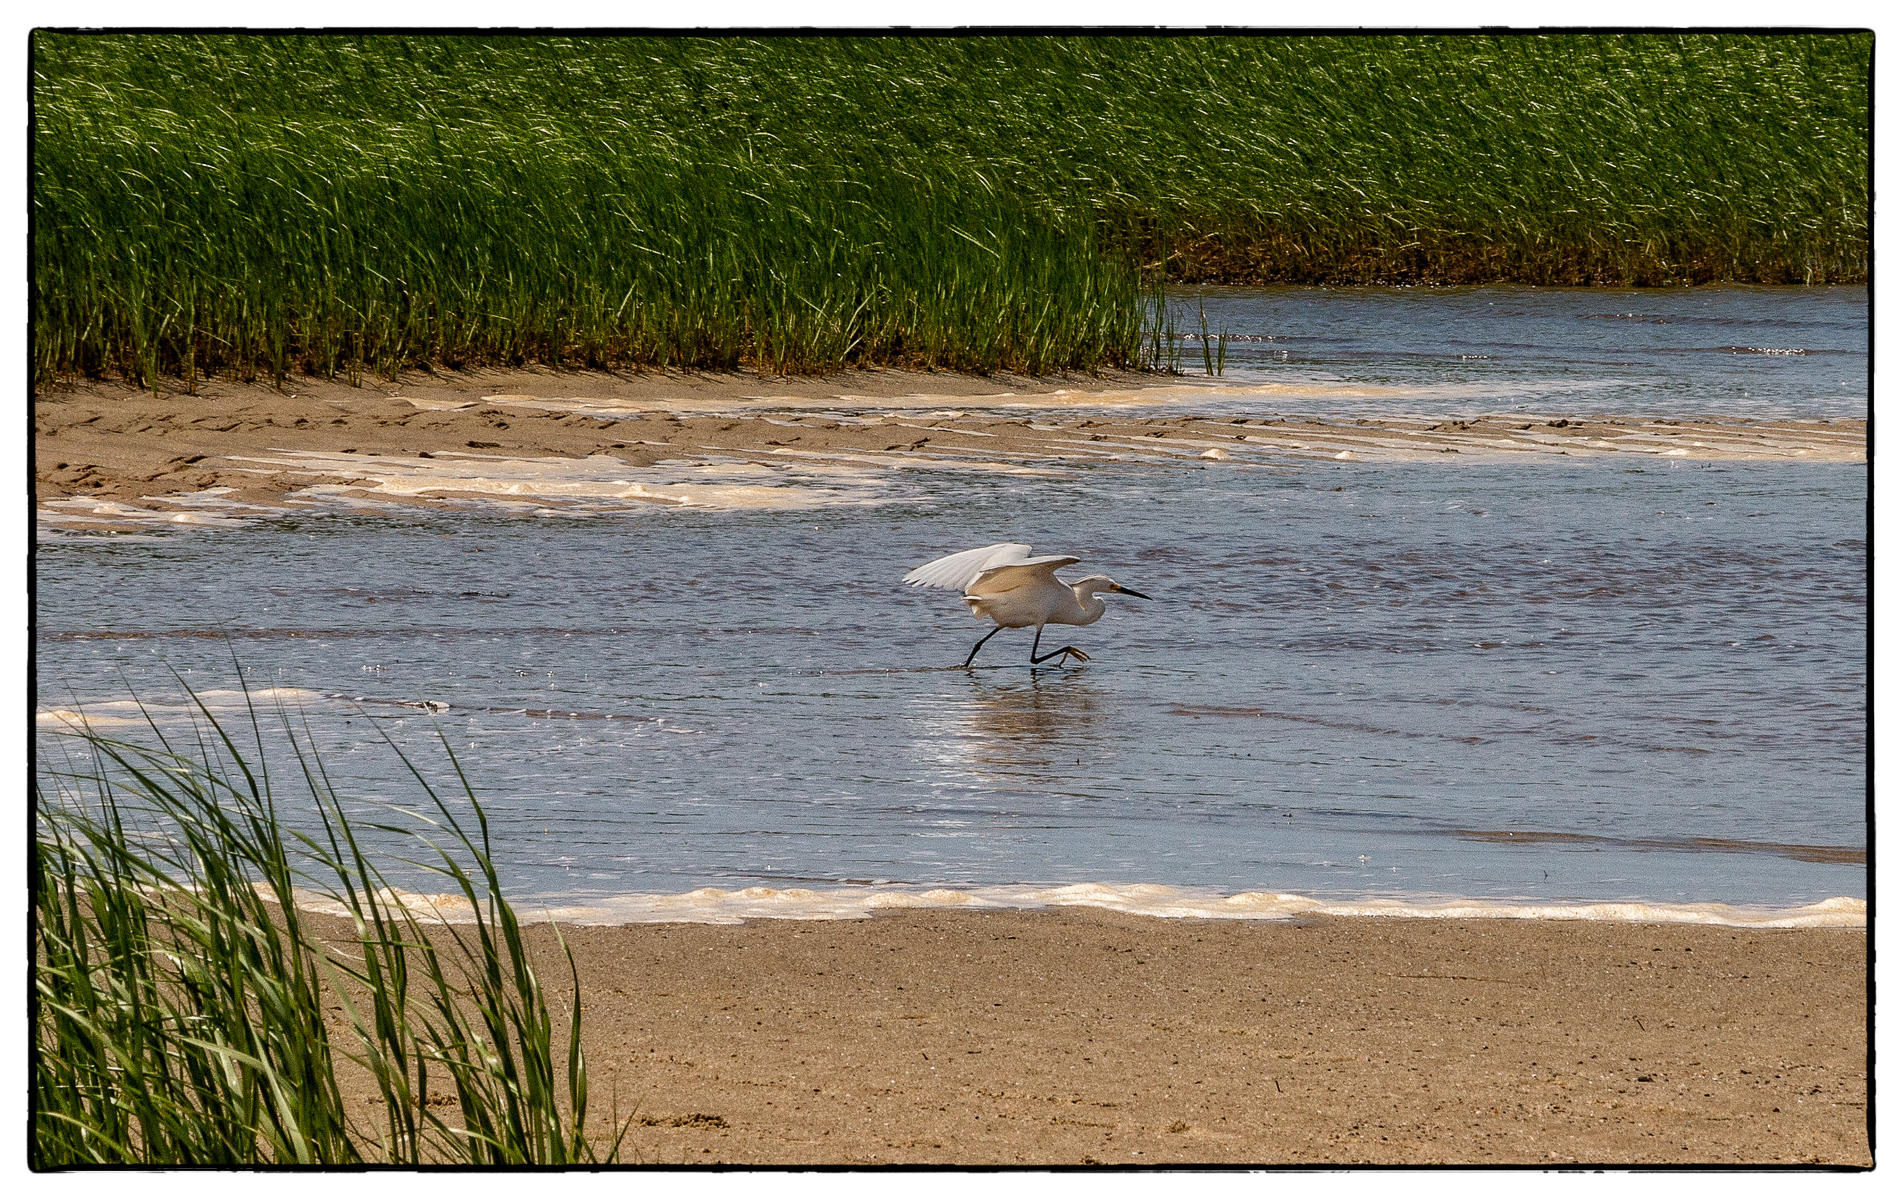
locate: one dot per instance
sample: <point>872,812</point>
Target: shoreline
<point>115,458</point>
<point>710,905</point>
<point>1082,1036</point>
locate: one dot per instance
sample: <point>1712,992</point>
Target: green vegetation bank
<point>260,205</point>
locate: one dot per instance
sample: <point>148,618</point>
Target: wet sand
<point>1078,1036</point>
<point>105,452</point>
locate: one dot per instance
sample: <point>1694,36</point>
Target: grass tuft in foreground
<point>185,1011</point>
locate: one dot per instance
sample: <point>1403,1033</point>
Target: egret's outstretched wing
<point>958,570</point>
<point>1007,577</point>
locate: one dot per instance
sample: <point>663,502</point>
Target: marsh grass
<point>260,205</point>
<point>186,1009</point>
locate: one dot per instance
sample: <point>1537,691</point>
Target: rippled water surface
<point>1733,351</point>
<point>1557,680</point>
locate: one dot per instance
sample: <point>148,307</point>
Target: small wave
<point>1802,852</point>
<point>58,718</point>
<point>718,906</point>
<point>100,714</point>
<point>84,512</point>
<point>1217,710</point>
<point>1652,318</point>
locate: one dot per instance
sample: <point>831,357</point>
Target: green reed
<point>181,995</point>
<point>259,205</point>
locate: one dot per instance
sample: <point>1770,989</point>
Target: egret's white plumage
<point>964,568</point>
<point>1015,589</point>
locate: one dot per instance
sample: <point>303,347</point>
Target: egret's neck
<point>1087,599</point>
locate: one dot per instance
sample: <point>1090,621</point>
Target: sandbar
<point>109,456</point>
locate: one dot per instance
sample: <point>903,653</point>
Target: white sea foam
<point>86,512</point>
<point>449,908</point>
<point>210,508</point>
<point>1287,388</point>
<point>58,718</point>
<point>914,462</point>
<point>597,481</point>
<point>719,906</point>
<point>102,714</point>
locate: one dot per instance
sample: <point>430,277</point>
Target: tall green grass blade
<point>181,994</point>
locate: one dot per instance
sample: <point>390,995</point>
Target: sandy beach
<point>1080,1036</point>
<point>108,456</point>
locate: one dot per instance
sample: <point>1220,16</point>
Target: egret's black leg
<point>1071,650</point>
<point>981,641</point>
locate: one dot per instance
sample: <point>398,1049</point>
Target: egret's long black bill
<point>1131,592</point>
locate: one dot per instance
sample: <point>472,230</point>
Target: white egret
<point>1007,584</point>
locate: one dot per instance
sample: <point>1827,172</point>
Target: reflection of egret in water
<point>1032,731</point>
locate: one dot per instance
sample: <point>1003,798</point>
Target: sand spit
<point>1080,1036</point>
<point>110,458</point>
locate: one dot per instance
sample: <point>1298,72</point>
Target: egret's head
<point>1103,583</point>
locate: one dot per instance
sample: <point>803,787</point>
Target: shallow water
<point>1730,351</point>
<point>1553,682</point>
<point>1334,692</point>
